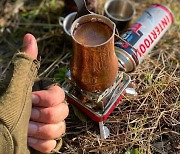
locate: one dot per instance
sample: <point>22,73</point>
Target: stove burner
<point>99,105</point>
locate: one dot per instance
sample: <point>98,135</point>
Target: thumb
<point>15,99</point>
<point>30,46</point>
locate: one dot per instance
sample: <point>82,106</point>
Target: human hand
<point>48,112</point>
<point>15,101</point>
<point>47,118</point>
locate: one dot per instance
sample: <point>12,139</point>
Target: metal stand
<point>104,131</point>
<point>98,105</point>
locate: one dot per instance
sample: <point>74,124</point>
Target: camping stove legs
<point>104,131</point>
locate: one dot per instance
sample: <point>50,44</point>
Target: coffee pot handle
<point>82,8</point>
<point>61,21</point>
<point>123,40</point>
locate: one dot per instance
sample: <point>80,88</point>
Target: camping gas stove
<point>98,106</point>
<point>131,48</point>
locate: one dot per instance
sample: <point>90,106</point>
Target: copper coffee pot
<point>94,67</point>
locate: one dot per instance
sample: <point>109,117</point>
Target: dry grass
<point>149,123</point>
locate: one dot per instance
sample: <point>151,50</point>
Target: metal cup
<point>67,22</point>
<point>94,68</point>
<point>120,12</point>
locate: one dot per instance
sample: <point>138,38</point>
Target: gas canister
<point>142,36</point>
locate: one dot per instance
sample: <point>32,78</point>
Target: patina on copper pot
<point>94,67</point>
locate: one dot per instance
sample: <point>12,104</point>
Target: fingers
<point>48,98</point>
<point>30,46</point>
<point>46,131</point>
<point>47,118</point>
<point>51,115</point>
<point>44,146</point>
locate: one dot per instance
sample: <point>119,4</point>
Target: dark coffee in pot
<point>92,33</point>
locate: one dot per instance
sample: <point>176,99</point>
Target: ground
<point>148,123</point>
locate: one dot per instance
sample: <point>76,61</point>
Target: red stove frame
<point>117,91</point>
